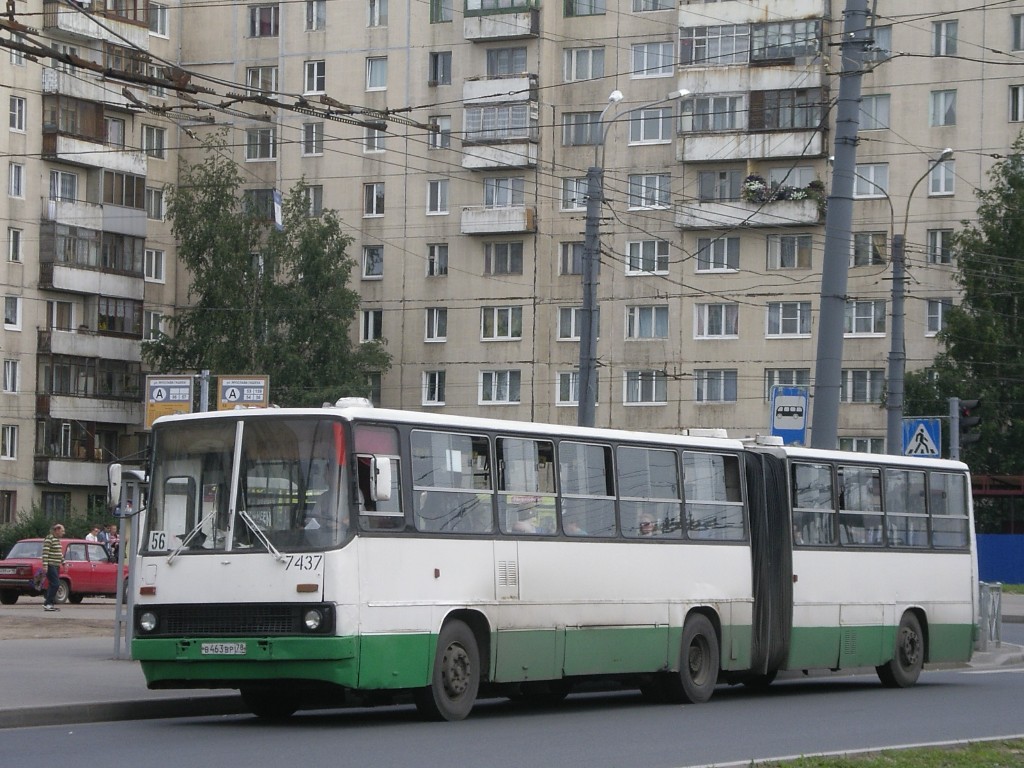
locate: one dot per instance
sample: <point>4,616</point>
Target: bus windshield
<point>237,484</point>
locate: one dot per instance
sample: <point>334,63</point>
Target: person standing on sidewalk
<point>53,559</point>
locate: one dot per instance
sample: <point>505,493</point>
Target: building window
<point>437,260</point>
<point>440,136</point>
<point>373,262</point>
<point>874,112</point>
<point>718,254</point>
<point>714,113</point>
<point>154,141</point>
<point>152,325</point>
<point>377,13</point>
<point>18,106</point>
<point>647,257</point>
<point>499,387</point>
<point>63,186</point>
<point>571,261</point>
<point>315,79</point>
<point>17,57</point>
<point>584,7</point>
<point>639,6</point>
<point>10,383</point>
<point>504,192</point>
<point>1017,32</point>
<point>789,318</point>
<point>581,129</point>
<point>312,139</point>
<point>938,310</point>
<point>433,387</point>
<point>372,328</point>
<point>942,178</point>
<point>9,441</point>
<point>124,189</point>
<point>881,50</point>
<point>942,108</point>
<point>714,46</point>
<point>503,258</point>
<point>261,81</point>
<point>569,323</point>
<point>1017,103</point>
<point>261,144</point>
<point>786,110</point>
<point>649,190</point>
<point>649,322</point>
<point>568,388</point>
<point>437,324</point>
<point>944,38</point>
<point>158,19</point>
<point>862,385</point>
<point>154,204</point>
<point>646,388</point>
<point>374,387</point>
<point>653,60</point>
<point>716,321</point>
<point>862,444</point>
<point>583,64</point>
<point>12,313</point>
<point>785,377</point>
<point>260,203</point>
<point>789,251</point>
<point>14,238</point>
<point>56,505</point>
<point>864,318</point>
<point>870,248</point>
<point>798,176</point>
<point>440,68</point>
<point>714,386</point>
<point>441,11</point>
<point>113,131</point>
<point>719,185</point>
<point>650,126</point>
<point>373,199</point>
<point>506,61</point>
<point>316,15</point>
<point>314,194</point>
<point>871,180</point>
<point>376,73</point>
<point>574,193</point>
<point>940,246</point>
<point>16,180</point>
<point>154,270</point>
<point>499,123</point>
<point>779,40</point>
<point>501,323</point>
<point>437,196</point>
<point>263,21</point>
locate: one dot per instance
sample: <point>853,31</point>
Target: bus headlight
<point>147,621</point>
<point>312,619</point>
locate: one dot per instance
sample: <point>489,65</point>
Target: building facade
<point>465,192</point>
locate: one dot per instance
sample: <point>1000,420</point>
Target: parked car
<point>87,571</point>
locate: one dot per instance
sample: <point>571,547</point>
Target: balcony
<point>74,213</point>
<point>86,343</point>
<point>481,220</point>
<point>512,89</point>
<point>93,154</point>
<point>511,154</point>
<point>695,148</point>
<point>68,471</point>
<point>107,411</point>
<point>75,278</point>
<point>726,214</point>
<point>57,15</point>
<point>84,85</point>
<point>500,24</point>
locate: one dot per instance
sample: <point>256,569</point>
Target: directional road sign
<point>243,392</point>
<point>166,395</point>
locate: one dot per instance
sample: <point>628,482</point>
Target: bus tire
<point>903,669</point>
<point>698,661</point>
<point>455,679</point>
<point>269,704</point>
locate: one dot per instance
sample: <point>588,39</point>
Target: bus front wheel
<point>698,661</point>
<point>455,679</point>
<point>903,669</point>
<point>269,704</point>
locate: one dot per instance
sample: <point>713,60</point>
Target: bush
<point>36,525</point>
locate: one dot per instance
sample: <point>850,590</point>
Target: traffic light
<point>969,421</point>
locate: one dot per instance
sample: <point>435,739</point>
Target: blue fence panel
<point>1001,558</point>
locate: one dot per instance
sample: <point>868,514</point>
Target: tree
<point>263,300</point>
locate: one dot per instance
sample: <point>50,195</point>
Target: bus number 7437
<point>304,562</point>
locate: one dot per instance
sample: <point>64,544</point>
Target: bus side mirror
<point>380,478</point>
<point>113,486</point>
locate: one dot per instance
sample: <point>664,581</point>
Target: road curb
<point>67,714</point>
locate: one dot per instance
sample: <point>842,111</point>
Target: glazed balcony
<point>481,220</point>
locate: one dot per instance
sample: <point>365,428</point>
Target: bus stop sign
<point>789,414</point>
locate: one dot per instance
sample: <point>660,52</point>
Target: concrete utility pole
<point>838,220</point>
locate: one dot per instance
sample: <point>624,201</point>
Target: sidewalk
<point>77,680</point>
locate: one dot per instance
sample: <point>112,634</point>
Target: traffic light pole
<point>954,428</point>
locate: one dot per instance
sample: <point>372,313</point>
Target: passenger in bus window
<point>572,526</point>
<point>646,525</point>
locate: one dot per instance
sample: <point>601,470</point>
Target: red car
<point>87,571</point>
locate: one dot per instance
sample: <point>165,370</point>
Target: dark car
<point>87,571</point>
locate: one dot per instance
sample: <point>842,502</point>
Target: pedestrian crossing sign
<point>922,437</point>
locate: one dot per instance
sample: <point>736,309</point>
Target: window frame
<point>491,387</point>
<point>865,318</point>
<point>942,107</point>
<point>647,322</point>
<point>18,111</point>
<point>432,393</point>
<point>636,259</point>
<point>494,318</point>
<point>312,144</point>
<point>788,313</point>
<point>437,197</point>
<point>435,327</point>
<point>865,184</point>
<point>376,73</point>
<point>372,267</point>
<point>373,199</point>
<point>314,76</point>
<point>260,144</point>
<point>572,64</point>
<point>644,387</point>
<point>642,55</point>
<point>718,254</point>
<point>371,325</point>
<point>705,321</point>
<point>715,385</point>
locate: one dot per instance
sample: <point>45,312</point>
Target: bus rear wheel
<point>698,661</point>
<point>455,679</point>
<point>903,669</point>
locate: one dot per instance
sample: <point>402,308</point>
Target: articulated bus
<point>313,557</point>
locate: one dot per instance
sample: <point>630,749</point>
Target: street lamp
<point>587,376</point>
<point>897,349</point>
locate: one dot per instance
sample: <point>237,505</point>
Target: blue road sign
<point>922,437</point>
<point>789,414</point>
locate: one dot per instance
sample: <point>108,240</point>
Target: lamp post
<point>897,349</point>
<point>587,376</point>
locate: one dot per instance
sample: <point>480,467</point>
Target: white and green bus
<point>311,557</point>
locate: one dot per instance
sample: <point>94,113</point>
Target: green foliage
<point>262,300</point>
<point>36,524</point>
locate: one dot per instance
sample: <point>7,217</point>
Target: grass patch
<point>1013,589</point>
<point>989,754</point>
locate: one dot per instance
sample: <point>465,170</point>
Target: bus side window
<point>379,514</point>
<point>814,510</point>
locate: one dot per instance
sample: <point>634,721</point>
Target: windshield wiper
<point>251,525</point>
<point>188,537</point>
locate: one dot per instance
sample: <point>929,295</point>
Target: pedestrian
<point>113,542</point>
<point>93,534</point>
<point>104,538</point>
<point>53,559</point>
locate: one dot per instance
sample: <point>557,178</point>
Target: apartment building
<point>467,204</point>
